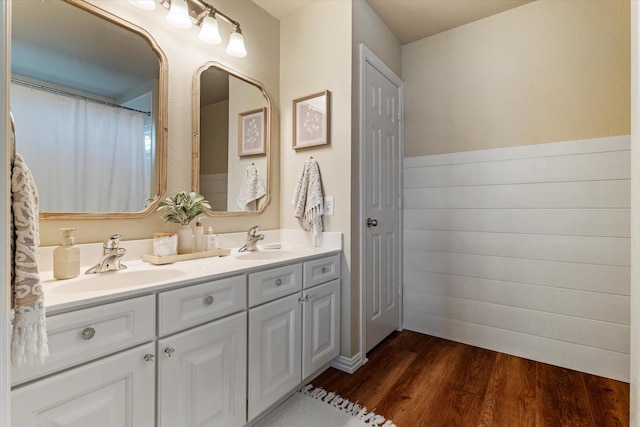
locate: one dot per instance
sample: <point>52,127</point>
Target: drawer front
<point>193,305</point>
<point>321,271</point>
<point>86,334</point>
<point>274,283</point>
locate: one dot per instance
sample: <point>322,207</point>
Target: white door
<point>275,347</point>
<point>202,375</point>
<point>321,326</point>
<point>118,391</point>
<point>381,167</point>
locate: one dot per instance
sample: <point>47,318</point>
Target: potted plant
<point>182,209</point>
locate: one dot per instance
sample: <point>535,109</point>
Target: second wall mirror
<point>231,141</point>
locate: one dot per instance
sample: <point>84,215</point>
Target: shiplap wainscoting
<point>214,188</point>
<point>523,250</point>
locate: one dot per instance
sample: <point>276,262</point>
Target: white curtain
<point>85,157</point>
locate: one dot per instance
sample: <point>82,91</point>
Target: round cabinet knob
<point>309,297</point>
<point>169,351</point>
<point>208,300</point>
<point>371,222</point>
<point>278,282</point>
<point>323,270</point>
<point>87,333</point>
<point>149,358</point>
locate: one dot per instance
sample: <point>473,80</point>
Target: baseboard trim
<point>348,364</point>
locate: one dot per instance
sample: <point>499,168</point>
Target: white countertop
<point>142,278</point>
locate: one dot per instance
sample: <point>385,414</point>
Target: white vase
<point>185,239</point>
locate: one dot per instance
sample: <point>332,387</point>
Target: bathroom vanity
<point>212,342</point>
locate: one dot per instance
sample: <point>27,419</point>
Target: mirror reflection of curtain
<point>69,146</point>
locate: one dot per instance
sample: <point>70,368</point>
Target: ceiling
<point>411,20</point>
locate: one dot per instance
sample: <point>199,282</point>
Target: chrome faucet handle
<point>253,230</point>
<point>113,242</point>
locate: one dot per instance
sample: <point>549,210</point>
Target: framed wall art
<point>311,120</point>
<point>251,132</point>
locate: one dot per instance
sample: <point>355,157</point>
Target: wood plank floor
<point>419,380</point>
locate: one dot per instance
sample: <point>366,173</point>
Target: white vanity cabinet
<point>202,371</point>
<point>202,375</point>
<point>117,390</point>
<point>291,337</point>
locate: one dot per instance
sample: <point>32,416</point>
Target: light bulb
<point>236,44</point>
<point>209,33</point>
<point>144,4</point>
<point>178,15</point>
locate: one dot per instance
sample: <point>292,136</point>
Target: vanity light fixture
<point>184,13</point>
<point>178,15</point>
<point>144,4</point>
<point>209,32</point>
<point>236,43</point>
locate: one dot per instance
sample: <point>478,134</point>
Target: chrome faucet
<point>252,239</point>
<point>112,255</point>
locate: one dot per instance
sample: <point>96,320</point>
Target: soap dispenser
<point>66,257</point>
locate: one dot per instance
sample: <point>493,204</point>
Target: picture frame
<point>311,120</point>
<point>251,132</point>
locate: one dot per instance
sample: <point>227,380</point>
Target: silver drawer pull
<point>169,351</point>
<point>87,333</point>
<point>278,282</point>
<point>149,358</point>
<point>323,270</point>
<point>209,300</point>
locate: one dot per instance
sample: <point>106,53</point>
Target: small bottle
<point>198,237</point>
<point>210,240</point>
<point>66,257</point>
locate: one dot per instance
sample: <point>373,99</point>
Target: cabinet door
<point>274,352</point>
<point>202,375</point>
<point>321,332</point>
<point>118,391</point>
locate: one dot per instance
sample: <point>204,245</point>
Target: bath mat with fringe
<point>315,407</point>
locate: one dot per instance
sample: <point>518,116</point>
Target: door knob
<point>371,222</point>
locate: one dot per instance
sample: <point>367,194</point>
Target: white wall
<point>523,250</point>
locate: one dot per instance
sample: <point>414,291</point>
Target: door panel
<point>382,153</point>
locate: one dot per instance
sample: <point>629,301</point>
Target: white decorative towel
<point>308,199</point>
<point>251,190</point>
<point>29,339</point>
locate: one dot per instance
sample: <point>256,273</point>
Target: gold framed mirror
<point>231,161</point>
<point>89,98</point>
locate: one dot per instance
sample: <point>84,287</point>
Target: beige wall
<point>547,71</point>
<point>316,56</point>
<point>185,53</point>
<point>243,97</point>
<point>214,138</point>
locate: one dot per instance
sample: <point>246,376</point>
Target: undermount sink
<point>264,254</point>
<point>115,280</point>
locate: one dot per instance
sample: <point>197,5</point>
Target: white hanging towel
<point>251,190</point>
<point>29,338</point>
<point>308,199</point>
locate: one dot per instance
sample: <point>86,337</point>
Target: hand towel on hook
<point>29,338</point>
<point>251,190</point>
<point>308,198</point>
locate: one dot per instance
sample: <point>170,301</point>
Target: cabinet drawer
<point>321,270</point>
<point>193,305</point>
<point>86,334</point>
<point>274,283</point>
